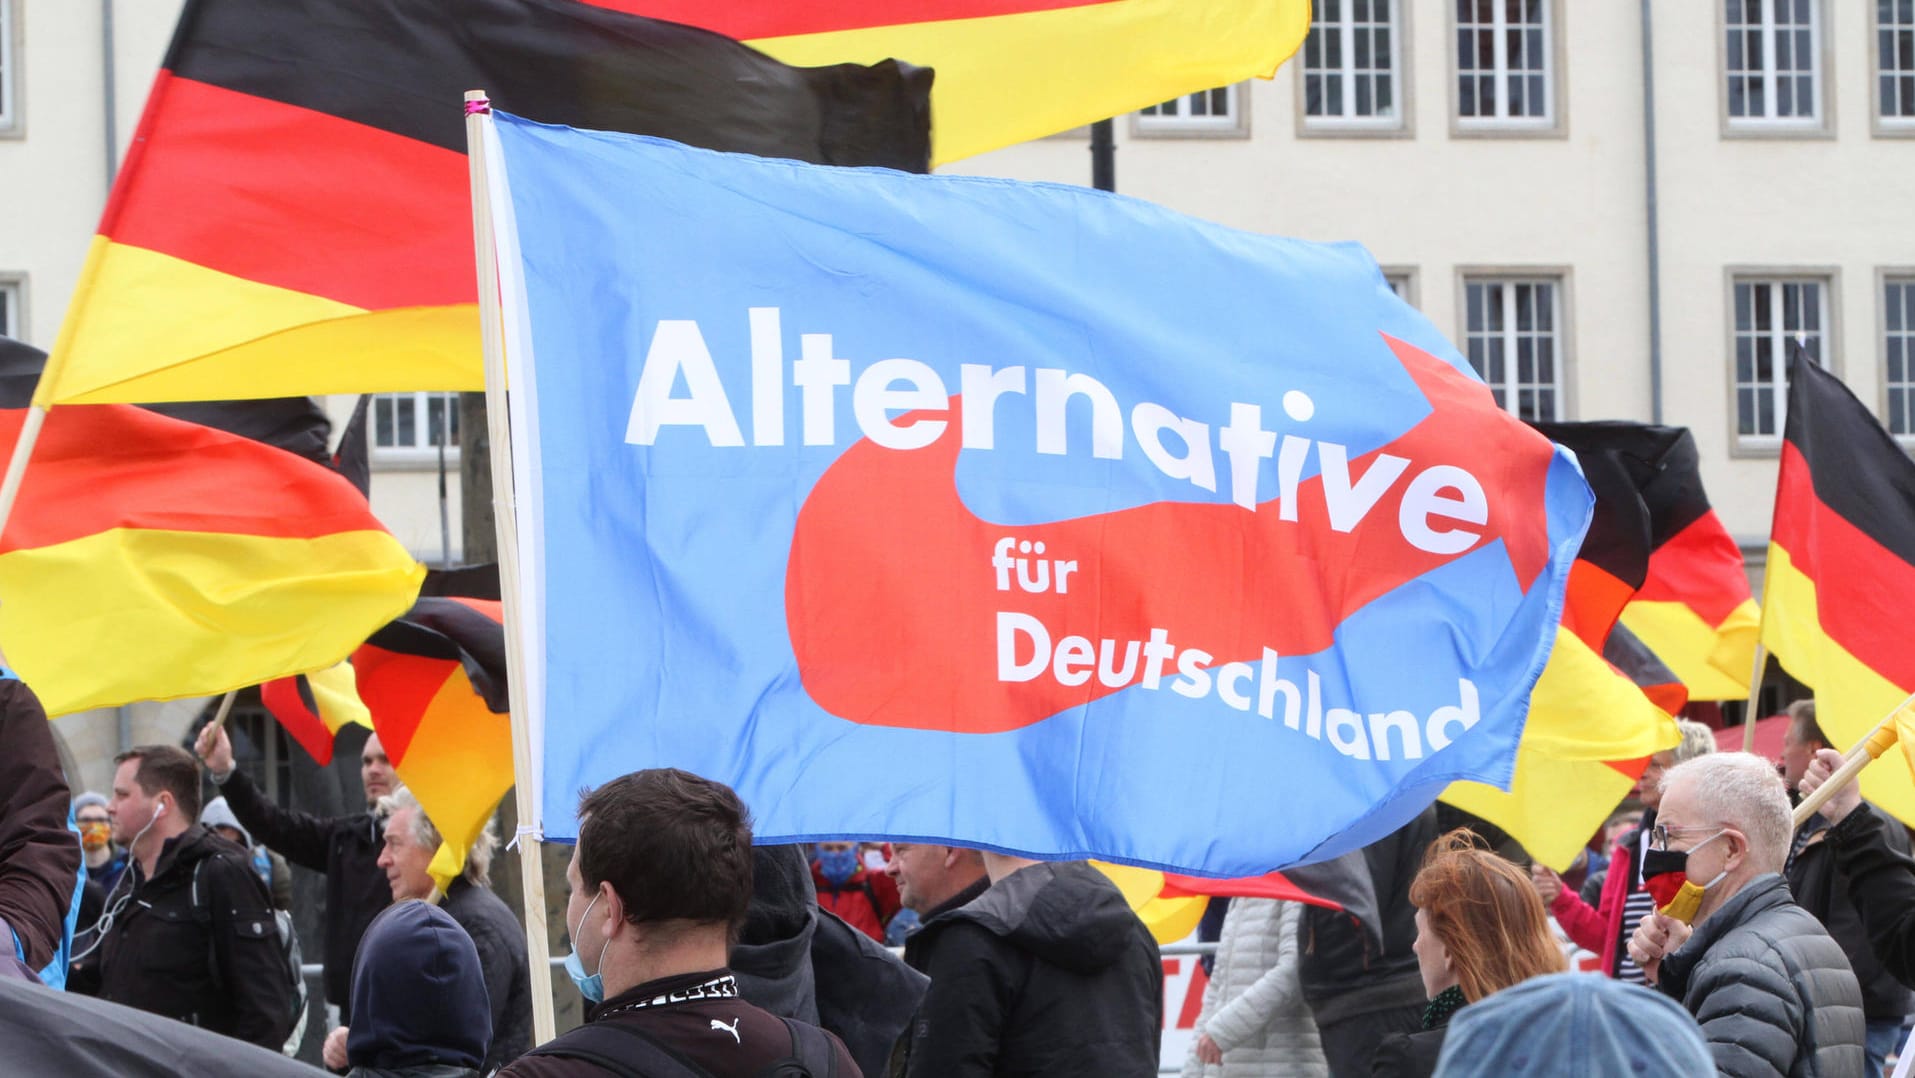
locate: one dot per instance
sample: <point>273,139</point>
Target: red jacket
<point>1600,929</point>
<point>866,901</point>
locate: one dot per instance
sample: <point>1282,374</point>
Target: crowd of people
<point>1726,938</point>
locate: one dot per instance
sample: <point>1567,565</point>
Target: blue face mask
<point>837,865</point>
<point>592,985</point>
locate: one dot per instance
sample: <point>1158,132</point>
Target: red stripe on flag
<point>397,690</point>
<point>1858,582</point>
<point>1592,602</point>
<point>1700,567</point>
<point>749,20</point>
<point>298,199</point>
<point>105,466</point>
<point>282,697</point>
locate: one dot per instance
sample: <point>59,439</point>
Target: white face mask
<point>590,985</point>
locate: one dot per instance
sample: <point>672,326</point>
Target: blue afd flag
<point>1013,515</point>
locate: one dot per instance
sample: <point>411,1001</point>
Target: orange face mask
<point>95,834</point>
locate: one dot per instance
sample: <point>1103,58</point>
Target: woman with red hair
<point>1480,928</point>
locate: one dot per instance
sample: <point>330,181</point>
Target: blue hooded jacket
<point>418,994</point>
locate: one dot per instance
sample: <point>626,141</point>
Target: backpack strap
<point>812,1048</point>
<point>622,1049</point>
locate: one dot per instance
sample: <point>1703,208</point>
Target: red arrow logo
<point>893,602</point>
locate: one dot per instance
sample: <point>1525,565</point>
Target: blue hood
<point>418,994</point>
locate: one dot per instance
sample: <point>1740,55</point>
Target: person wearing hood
<point>1048,972</point>
<point>799,961</point>
<point>1770,987</point>
<point>420,997</point>
<point>865,897</point>
<point>411,842</point>
<point>190,932</point>
<point>270,866</point>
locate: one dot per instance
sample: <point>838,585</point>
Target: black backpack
<point>630,1052</point>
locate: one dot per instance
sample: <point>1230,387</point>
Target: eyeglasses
<point>1660,834</point>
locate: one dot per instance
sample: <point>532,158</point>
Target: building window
<point>1898,353</point>
<point>1351,64</point>
<point>1207,112</point>
<point>10,313</point>
<point>1513,333</point>
<point>1895,62</point>
<point>1769,314</point>
<point>1772,62</point>
<point>1504,63</point>
<point>9,74</point>
<point>1403,283</point>
<point>411,424</point>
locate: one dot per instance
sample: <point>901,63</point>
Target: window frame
<point>1901,276</point>
<point>418,455</point>
<point>1402,125</point>
<point>13,302</point>
<point>1763,445</point>
<point>1235,126</point>
<point>1558,276</point>
<point>1884,126</point>
<point>1554,125</point>
<point>1411,292</point>
<point>1822,50</point>
<point>12,124</point>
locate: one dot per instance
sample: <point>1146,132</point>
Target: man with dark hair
<point>190,934</point>
<point>1820,887</point>
<point>344,848</point>
<point>659,883</point>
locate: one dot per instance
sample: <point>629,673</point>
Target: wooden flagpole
<point>478,129</point>
<point>1863,753</point>
<point>1755,692</point>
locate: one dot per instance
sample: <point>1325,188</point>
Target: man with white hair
<point>1771,989</point>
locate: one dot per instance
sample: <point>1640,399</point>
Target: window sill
<point>1506,129</point>
<point>1774,129</point>
<point>413,460</point>
<point>1318,127</point>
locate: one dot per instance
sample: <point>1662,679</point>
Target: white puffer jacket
<point>1254,1006</point>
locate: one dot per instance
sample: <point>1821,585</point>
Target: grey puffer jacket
<point>1771,989</point>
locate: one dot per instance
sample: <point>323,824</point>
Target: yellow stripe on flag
<point>1169,919</point>
<point>1850,697</point>
<point>1705,658</point>
<point>199,334</point>
<point>147,614</point>
<point>1581,713</point>
<point>1005,79</point>
<point>336,697</point>
<point>459,765</point>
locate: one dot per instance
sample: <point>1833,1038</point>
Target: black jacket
<point>1340,974</point>
<point>39,856</point>
<point>346,849</point>
<point>1409,1055</point>
<point>1048,972</point>
<point>1881,886</point>
<point>1820,887</point>
<point>1771,989</point>
<point>799,961</point>
<point>501,944</point>
<point>215,962</point>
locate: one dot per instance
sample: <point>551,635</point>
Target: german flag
<point>149,558</point>
<point>294,214</point>
<point>1694,609</point>
<point>313,707</point>
<point>1841,572</point>
<point>1587,721</point>
<point>435,681</point>
<point>1626,652</point>
<point>1620,461</point>
<point>1014,70</point>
